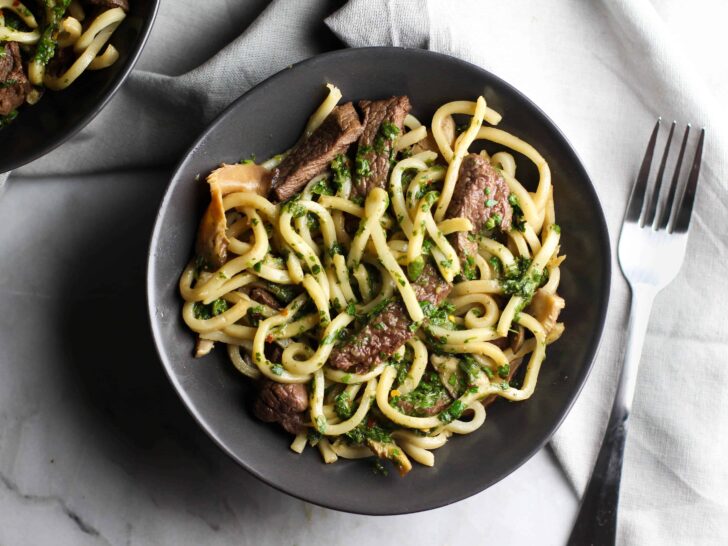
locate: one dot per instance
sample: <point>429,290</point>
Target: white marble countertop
<point>95,448</point>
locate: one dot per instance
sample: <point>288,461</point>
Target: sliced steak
<point>375,144</point>
<point>14,84</point>
<point>283,403</point>
<point>481,196</point>
<point>109,4</point>
<point>261,295</point>
<point>389,330</point>
<point>310,157</point>
<point>7,61</point>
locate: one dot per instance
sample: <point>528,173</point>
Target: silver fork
<point>651,251</point>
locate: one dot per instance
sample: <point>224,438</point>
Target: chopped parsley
<point>402,367</point>
<point>282,292</point>
<point>322,187</point>
<point>207,311</point>
<point>294,207</point>
<point>46,48</point>
<point>8,119</point>
<point>387,133</point>
<point>517,281</point>
<point>493,222</point>
<point>342,406</point>
<point>469,271</point>
<point>504,370</point>
<point>314,437</point>
<point>254,314</point>
<point>455,410</point>
<point>321,424</point>
<point>428,393</point>
<point>379,469</point>
<point>335,249</point>
<point>340,168</point>
<point>368,430</point>
<point>361,163</point>
<point>519,220</point>
<point>379,307</point>
<point>438,315</point>
<point>415,268</point>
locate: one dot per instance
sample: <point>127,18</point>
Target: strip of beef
<point>389,330</point>
<point>310,157</point>
<point>283,403</point>
<point>109,4</point>
<point>14,84</point>
<point>6,61</point>
<point>381,117</point>
<point>261,295</point>
<point>481,196</point>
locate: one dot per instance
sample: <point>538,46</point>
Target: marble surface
<point>95,448</point>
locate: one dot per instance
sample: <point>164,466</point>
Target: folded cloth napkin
<point>603,71</point>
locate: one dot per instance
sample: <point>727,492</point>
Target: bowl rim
<point>117,82</point>
<point>549,431</point>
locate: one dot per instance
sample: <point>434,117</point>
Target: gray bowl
<point>269,119</point>
<point>61,114</point>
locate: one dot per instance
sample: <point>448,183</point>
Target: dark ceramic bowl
<point>269,119</point>
<point>61,114</point>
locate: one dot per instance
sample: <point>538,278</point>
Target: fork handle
<point>596,523</point>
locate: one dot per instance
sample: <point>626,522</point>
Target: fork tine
<point>654,196</point>
<point>636,200</point>
<point>681,224</point>
<point>664,215</point>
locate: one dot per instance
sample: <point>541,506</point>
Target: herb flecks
<point>207,311</point>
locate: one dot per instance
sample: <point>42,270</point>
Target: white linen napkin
<point>604,71</point>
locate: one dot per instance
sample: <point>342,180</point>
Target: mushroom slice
<point>545,308</point>
<point>203,347</point>
<point>428,143</point>
<point>391,451</point>
<point>212,242</point>
<point>241,177</point>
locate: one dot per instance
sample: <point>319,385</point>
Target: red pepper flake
<point>371,422</point>
<point>16,3</point>
<point>284,312</point>
<point>269,339</point>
